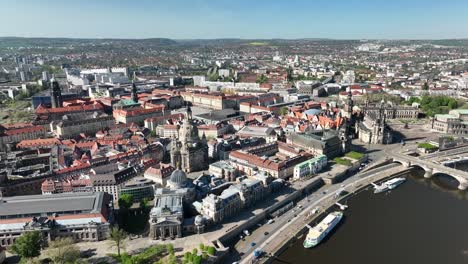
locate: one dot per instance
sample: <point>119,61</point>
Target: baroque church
<point>189,152</point>
<point>374,128</point>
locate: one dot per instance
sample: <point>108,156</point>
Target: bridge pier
<point>428,173</point>
<point>463,185</point>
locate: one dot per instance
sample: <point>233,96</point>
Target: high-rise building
<point>45,76</point>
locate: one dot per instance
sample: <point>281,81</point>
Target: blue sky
<point>186,19</point>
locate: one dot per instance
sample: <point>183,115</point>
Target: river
<point>421,221</point>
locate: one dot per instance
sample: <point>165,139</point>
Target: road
<point>291,222</point>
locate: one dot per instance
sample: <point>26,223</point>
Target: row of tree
<point>29,245</point>
<point>432,105</point>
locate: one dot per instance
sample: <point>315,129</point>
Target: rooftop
<point>65,203</point>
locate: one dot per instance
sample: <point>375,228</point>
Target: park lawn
<point>427,146</point>
<point>355,155</point>
<point>342,161</point>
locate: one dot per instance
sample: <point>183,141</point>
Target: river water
<point>421,221</point>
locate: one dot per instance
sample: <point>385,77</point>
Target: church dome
<point>178,179</point>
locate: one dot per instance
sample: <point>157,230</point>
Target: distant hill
<point>58,42</point>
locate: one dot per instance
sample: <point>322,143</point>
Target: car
<point>270,221</point>
<point>266,233</point>
<point>252,244</point>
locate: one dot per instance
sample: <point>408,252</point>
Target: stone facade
<point>189,151</point>
<point>166,217</point>
<point>83,216</point>
<point>392,111</point>
<point>374,129</point>
<point>88,126</point>
<point>455,122</point>
<point>236,198</point>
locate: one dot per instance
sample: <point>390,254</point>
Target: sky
<point>248,19</point>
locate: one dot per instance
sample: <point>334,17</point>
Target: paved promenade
<point>283,235</point>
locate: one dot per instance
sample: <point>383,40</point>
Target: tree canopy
<point>28,245</point>
<point>63,251</point>
<point>118,236</point>
<point>432,105</point>
<point>126,201</point>
<point>262,79</point>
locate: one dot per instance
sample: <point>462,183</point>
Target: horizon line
<point>234,38</point>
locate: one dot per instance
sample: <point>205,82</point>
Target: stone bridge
<point>432,168</point>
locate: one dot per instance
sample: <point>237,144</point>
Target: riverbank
<point>276,244</point>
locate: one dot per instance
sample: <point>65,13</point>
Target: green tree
<point>144,203</point>
<point>28,245</point>
<point>289,72</point>
<point>262,79</point>
<point>172,259</point>
<point>452,104</point>
<point>213,77</point>
<point>187,257</point>
<point>118,236</point>
<point>201,246</point>
<point>425,86</point>
<point>211,250</point>
<point>125,201</point>
<point>283,110</point>
<point>170,248</point>
<point>194,251</point>
<point>197,259</point>
<point>62,251</point>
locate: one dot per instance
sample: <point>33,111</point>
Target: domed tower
<point>349,104</point>
<point>188,132</point>
<point>178,179</point>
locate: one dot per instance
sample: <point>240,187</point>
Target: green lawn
<point>258,43</point>
<point>427,146</point>
<point>355,155</point>
<point>342,161</point>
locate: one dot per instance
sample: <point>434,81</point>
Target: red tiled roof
<point>24,130</point>
<point>44,142</point>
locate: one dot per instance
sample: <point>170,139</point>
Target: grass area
<point>342,161</point>
<point>427,146</point>
<point>134,223</point>
<point>355,155</point>
<point>15,111</point>
<point>258,43</point>
<point>153,254</point>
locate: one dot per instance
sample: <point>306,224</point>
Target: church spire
<point>134,93</point>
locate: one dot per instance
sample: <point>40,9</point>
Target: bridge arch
<point>461,182</point>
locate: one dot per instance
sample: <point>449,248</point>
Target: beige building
<point>14,135</point>
<point>81,216</point>
<point>455,122</point>
<point>137,114</point>
<point>213,101</point>
<point>88,124</point>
